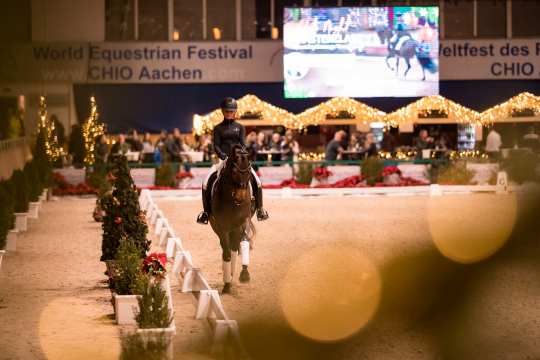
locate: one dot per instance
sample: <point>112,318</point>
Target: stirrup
<point>203,218</point>
<point>262,214</point>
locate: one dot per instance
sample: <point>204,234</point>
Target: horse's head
<point>239,166</point>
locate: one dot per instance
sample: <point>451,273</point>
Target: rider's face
<point>229,114</point>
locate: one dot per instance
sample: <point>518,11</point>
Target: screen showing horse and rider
<point>361,52</point>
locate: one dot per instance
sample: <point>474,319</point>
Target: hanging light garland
<point>47,130</point>
<point>334,107</point>
<point>91,129</point>
<point>428,104</point>
<point>249,104</point>
<point>504,111</point>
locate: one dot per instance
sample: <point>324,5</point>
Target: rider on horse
<point>400,36</point>
<point>227,134</point>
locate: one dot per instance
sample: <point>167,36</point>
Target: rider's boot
<point>262,214</point>
<point>205,214</point>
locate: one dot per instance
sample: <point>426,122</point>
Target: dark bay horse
<point>409,49</point>
<point>231,214</point>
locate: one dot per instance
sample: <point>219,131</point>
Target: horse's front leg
<point>397,65</point>
<point>244,249</point>
<point>387,63</point>
<point>226,257</point>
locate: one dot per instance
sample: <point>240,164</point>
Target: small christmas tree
<point>47,146</point>
<point>91,129</point>
<point>123,216</point>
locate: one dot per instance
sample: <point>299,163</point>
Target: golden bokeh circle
<point>470,229</point>
<point>329,294</point>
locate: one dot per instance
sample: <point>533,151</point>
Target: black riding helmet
<point>229,104</point>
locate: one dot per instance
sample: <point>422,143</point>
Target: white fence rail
<point>191,278</point>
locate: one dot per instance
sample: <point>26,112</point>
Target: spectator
<point>101,150</point>
<point>261,145</point>
<point>162,138</point>
<point>289,147</point>
<point>423,141</point>
<point>369,148</point>
<point>275,147</point>
<point>334,149</point>
<point>251,145</point>
<point>443,143</point>
<point>354,146</point>
<point>133,140</point>
<point>206,147</point>
<point>531,139</point>
<point>76,145</point>
<point>147,149</point>
<point>493,144</point>
<point>173,148</point>
<point>121,147</point>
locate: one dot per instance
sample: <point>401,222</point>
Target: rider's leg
<point>206,195</point>
<point>256,185</point>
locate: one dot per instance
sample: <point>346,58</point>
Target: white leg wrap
<point>244,245</point>
<point>226,271</point>
<point>234,256</point>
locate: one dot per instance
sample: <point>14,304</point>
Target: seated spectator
<point>369,147</point>
<point>334,149</point>
<point>423,141</point>
<point>134,141</point>
<point>162,138</point>
<point>101,150</point>
<point>275,147</point>
<point>443,143</point>
<point>289,147</point>
<point>251,145</point>
<point>147,149</point>
<point>173,148</point>
<point>261,145</point>
<point>120,147</point>
<point>531,139</point>
<point>206,147</point>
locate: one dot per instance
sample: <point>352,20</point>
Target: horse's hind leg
<point>408,62</point>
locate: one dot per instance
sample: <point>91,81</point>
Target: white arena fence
<point>207,300</point>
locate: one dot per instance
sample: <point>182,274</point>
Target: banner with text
<point>234,62</point>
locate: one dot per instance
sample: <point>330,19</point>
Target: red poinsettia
<point>118,220</point>
<point>154,264</point>
<point>184,175</point>
<point>321,172</point>
<point>389,170</point>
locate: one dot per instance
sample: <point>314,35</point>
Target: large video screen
<point>361,52</point>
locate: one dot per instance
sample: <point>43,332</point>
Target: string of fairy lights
<point>47,129</point>
<point>360,113</point>
<point>91,129</point>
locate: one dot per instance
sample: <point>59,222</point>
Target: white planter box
<point>21,221</point>
<point>11,241</point>
<point>160,334</point>
<point>2,252</point>
<point>33,208</point>
<point>126,308</point>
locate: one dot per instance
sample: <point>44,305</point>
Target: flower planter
<point>21,221</point>
<point>11,240</point>
<point>33,209</point>
<point>158,335</point>
<point>126,308</point>
<point>2,252</point>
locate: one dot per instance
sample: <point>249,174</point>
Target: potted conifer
<point>21,200</point>
<point>123,215</point>
<point>125,281</point>
<point>33,188</point>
